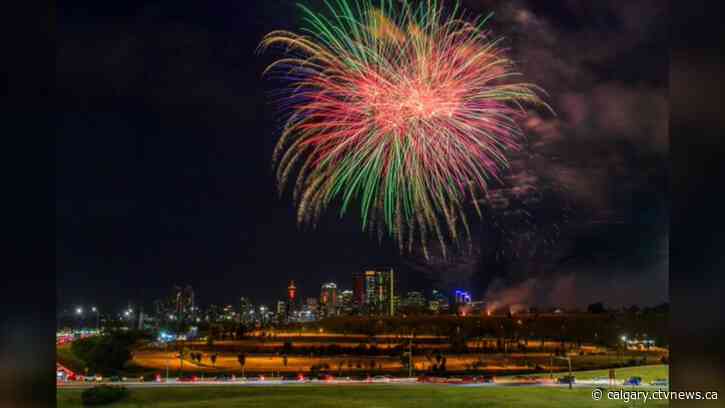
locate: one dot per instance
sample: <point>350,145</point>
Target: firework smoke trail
<point>403,109</point>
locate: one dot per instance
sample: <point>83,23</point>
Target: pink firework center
<point>406,110</point>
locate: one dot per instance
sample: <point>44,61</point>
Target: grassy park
<point>374,395</point>
<point>355,396</point>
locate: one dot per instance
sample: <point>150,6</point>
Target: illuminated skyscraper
<point>414,300</point>
<point>358,290</point>
<point>345,303</point>
<point>328,299</point>
<point>246,311</point>
<point>312,304</point>
<point>282,311</point>
<point>380,292</point>
<point>291,292</point>
<point>442,303</point>
<point>179,306</point>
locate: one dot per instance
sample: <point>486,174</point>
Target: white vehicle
<point>660,382</point>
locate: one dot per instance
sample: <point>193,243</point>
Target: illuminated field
<point>494,363</point>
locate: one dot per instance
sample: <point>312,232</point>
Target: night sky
<point>163,172</point>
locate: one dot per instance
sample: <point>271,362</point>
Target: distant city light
<point>79,310</point>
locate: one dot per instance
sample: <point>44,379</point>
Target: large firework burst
<point>406,110</point>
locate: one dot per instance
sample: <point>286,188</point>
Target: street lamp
<point>166,351</point>
<point>410,354</point>
<point>98,320</point>
<point>571,376</point>
<point>79,313</point>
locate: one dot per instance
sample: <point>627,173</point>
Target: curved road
<point>295,383</point>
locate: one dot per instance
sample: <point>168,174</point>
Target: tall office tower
<point>358,290</point>
<point>328,299</point>
<point>414,300</point>
<point>282,312</point>
<point>183,301</point>
<point>246,311</point>
<point>345,303</point>
<point>177,306</point>
<point>291,292</point>
<point>291,298</point>
<point>371,300</point>
<point>380,291</point>
<point>441,299</point>
<point>312,304</point>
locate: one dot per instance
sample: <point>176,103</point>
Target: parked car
<point>114,378</point>
<point>567,379</point>
<point>633,381</point>
<point>150,377</point>
<point>188,378</point>
<point>223,377</point>
<point>382,378</point>
<point>660,382</point>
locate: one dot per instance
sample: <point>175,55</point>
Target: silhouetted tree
<point>596,308</point>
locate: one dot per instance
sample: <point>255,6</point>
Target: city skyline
<point>186,296</point>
